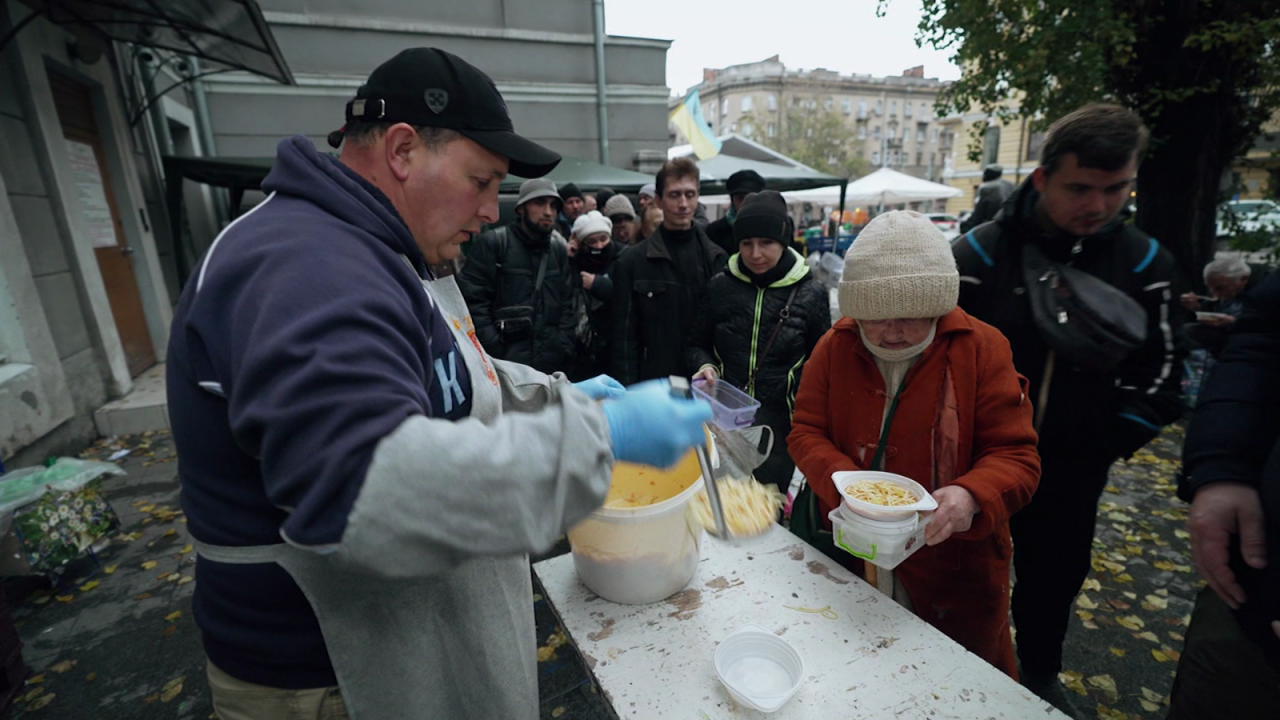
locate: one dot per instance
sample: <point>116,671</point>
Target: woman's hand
<point>588,280</point>
<point>956,508</point>
<point>708,373</point>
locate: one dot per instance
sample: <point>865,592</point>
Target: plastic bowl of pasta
<point>882,495</point>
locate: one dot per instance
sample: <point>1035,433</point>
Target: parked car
<point>1249,216</point>
<point>947,223</point>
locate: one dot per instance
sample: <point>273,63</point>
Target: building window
<point>935,135</point>
<point>862,132</point>
<point>991,145</point>
<point>875,133</point>
<point>920,134</point>
<point>772,129</point>
<point>747,128</point>
<point>828,104</point>
<point>893,107</point>
<point>1034,143</point>
<point>862,108</point>
<point>919,158</point>
<point>906,109</point>
<point>724,106</point>
<point>875,158</point>
<point>746,103</point>
<point>879,107</point>
<point>773,101</point>
<point>733,127</point>
<point>924,111</point>
<point>933,159</point>
<point>846,106</point>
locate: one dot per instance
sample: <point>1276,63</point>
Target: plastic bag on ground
<point>26,485</point>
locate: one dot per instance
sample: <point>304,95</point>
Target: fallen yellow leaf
<point>169,533</point>
<point>1092,584</point>
<point>1130,595</point>
<point>1073,680</point>
<point>1148,705</point>
<point>1085,603</point>
<point>1151,695</point>
<point>147,508</point>
<point>1164,565</point>
<point>1106,713</point>
<point>1154,602</point>
<point>91,677</point>
<point>108,570</point>
<point>151,698</point>
<point>1131,622</point>
<point>1117,652</point>
<point>1103,682</point>
<point>41,600</point>
<point>171,693</point>
<point>1170,653</point>
<point>31,695</point>
<point>186,549</point>
<point>173,615</point>
<point>1148,635</point>
<point>185,579</point>
<point>1182,534</point>
<point>1177,637</point>
<point>1124,578</point>
<point>143,596</point>
<point>139,503</point>
<point>558,711</point>
<point>149,565</point>
<point>41,701</point>
<point>89,586</point>
<point>64,598</point>
<point>1159,656</point>
<point>35,679</point>
<point>63,666</point>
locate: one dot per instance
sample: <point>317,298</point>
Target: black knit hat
<point>433,88</point>
<point>743,182</point>
<point>569,190</point>
<point>763,215</point>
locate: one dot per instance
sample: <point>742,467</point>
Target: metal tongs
<point>726,432</point>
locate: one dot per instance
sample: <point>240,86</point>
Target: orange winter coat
<point>964,419</point>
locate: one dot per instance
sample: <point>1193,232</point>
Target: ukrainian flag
<point>689,120</point>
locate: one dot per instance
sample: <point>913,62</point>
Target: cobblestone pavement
<point>128,649</point>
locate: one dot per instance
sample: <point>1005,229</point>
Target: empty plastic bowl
<point>924,502</point>
<point>759,669</point>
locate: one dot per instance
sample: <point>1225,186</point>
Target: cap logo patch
<point>437,99</point>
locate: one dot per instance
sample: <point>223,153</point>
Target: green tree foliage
<point>1203,74</point>
<point>816,137</point>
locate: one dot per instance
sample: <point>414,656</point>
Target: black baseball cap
<point>433,88</point>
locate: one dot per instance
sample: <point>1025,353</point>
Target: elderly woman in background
<point>910,384</point>
<point>593,257</point>
<point>760,319</point>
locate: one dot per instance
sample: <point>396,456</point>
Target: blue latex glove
<point>601,387</point>
<point>649,426</point>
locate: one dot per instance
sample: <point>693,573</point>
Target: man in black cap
<point>575,204</point>
<point>992,194</point>
<point>518,284</point>
<point>362,506</point>
<point>740,185</point>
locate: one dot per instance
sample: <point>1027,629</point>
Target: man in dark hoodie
<point>573,205</point>
<point>739,186</point>
<point>517,282</point>
<point>658,284</point>
<point>1069,210</point>
<point>362,481</point>
<point>1230,666</point>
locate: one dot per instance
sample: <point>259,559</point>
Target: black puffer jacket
<point>657,293</point>
<point>499,276</point>
<point>1235,437</point>
<point>738,317</point>
<point>1110,414</point>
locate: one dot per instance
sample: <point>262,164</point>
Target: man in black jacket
<point>518,283</point>
<point>658,283</point>
<point>992,194</point>
<point>1230,667</point>
<point>739,186</point>
<point>1069,209</point>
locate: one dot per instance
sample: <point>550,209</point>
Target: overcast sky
<point>842,35</point>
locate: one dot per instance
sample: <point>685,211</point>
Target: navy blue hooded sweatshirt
<point>303,339</point>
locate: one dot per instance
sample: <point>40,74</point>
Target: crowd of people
<point>370,449</point>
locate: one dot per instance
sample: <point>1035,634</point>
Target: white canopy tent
<point>882,187</point>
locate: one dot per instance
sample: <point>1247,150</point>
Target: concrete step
<point>146,407</point>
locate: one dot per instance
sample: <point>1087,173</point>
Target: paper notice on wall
<point>92,195</point>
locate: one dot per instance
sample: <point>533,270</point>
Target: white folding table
<point>865,656</point>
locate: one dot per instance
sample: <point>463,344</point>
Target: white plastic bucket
<point>644,553</point>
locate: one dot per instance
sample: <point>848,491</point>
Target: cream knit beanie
<point>900,266</point>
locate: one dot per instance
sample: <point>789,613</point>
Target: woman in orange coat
<point>962,427</point>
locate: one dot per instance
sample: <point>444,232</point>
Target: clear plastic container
<point>733,409</point>
<point>759,669</point>
<point>924,503</point>
<point>884,544</point>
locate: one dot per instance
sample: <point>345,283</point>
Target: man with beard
<point>517,283</point>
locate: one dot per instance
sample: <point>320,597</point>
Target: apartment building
<point>891,118</point>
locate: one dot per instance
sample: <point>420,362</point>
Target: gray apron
<point>458,644</point>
